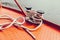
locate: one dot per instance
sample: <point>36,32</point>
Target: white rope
<point>15,21</point>
<point>11,18</point>
<point>33,28</point>
<point>19,24</point>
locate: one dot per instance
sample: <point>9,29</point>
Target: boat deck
<point>45,32</point>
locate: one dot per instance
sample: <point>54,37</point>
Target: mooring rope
<point>19,24</point>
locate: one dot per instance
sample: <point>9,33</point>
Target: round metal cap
<point>40,11</point>
<point>28,8</point>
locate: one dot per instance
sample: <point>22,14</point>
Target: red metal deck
<point>45,32</point>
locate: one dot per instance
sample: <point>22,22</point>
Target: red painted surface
<point>45,32</point>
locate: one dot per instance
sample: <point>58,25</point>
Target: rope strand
<point>19,24</point>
